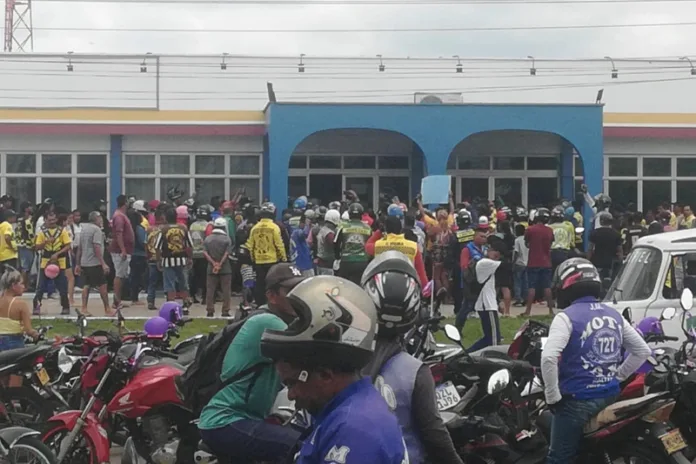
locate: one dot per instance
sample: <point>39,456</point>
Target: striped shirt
<point>174,247</point>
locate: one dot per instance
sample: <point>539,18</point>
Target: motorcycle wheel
<point>33,449</point>
<point>25,407</point>
<point>635,453</point>
<point>84,452</point>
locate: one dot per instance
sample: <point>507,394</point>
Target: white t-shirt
<point>485,272</point>
<point>521,252</point>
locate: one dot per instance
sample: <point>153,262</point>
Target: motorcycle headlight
<point>65,362</point>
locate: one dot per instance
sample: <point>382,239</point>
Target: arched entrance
<point>374,163</point>
<point>519,167</point>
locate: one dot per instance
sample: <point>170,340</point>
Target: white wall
<point>54,143</point>
<point>643,146</point>
<point>204,144</point>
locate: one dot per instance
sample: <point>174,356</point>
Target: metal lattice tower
<point>19,29</point>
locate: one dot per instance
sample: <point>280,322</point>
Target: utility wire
<point>356,31</point>
<point>363,2</point>
<point>357,93</point>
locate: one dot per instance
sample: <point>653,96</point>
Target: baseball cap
<point>483,223</point>
<point>284,275</point>
<point>220,222</point>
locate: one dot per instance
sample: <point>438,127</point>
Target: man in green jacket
<point>232,424</point>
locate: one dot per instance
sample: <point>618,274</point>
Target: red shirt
<point>539,238</point>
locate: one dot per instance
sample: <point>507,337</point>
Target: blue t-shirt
<point>140,241</point>
<point>300,253</point>
<point>356,427</point>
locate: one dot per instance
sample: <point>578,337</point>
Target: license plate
<point>673,441</point>
<point>43,376</point>
<point>447,396</point>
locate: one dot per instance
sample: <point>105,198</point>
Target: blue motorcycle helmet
<point>395,210</point>
<point>300,203</point>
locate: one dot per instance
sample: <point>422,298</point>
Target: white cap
<point>139,206</point>
<point>220,222</point>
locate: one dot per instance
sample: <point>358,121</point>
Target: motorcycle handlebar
<point>657,338</point>
<point>494,429</point>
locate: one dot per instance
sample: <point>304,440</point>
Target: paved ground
<point>51,308</point>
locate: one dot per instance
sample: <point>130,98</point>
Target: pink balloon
<point>52,271</point>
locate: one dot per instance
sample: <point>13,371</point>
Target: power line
<point>323,94</point>
<point>365,2</point>
<point>370,30</point>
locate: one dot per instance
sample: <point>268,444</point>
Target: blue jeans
<point>521,288</point>
<point>464,311</point>
<point>567,427</point>
<point>251,440</point>
<point>152,278</point>
<point>175,279</point>
<point>490,324</point>
<point>11,342</point>
<point>61,284</point>
<point>26,259</point>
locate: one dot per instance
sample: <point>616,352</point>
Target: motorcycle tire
<point>28,396</point>
<point>35,446</point>
<point>633,449</point>
<point>51,435</point>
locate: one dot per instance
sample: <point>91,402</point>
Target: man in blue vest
<point>582,362</point>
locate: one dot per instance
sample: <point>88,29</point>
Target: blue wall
<point>436,130</point>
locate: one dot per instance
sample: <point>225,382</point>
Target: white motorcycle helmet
<point>335,326</point>
<point>333,216</point>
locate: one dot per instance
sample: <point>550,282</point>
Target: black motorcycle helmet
<point>321,212</point>
<point>521,214</point>
<point>463,218</point>
<point>557,214</point>
<point>174,193</point>
<point>355,211</point>
<point>542,216</point>
<point>392,283</point>
<point>576,278</point>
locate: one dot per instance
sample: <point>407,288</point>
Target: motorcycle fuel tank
<point>149,387</point>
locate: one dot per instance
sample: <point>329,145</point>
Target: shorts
<point>10,262</point>
<point>504,275</point>
<point>94,276</point>
<point>26,259</point>
<point>539,277</point>
<point>174,277</point>
<point>121,266</point>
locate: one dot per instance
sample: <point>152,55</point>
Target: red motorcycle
<point>131,382</point>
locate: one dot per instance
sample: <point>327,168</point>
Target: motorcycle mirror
<point>668,313</point>
<point>498,381</point>
<point>687,299</point>
<point>627,315</point>
<point>453,333</point>
<point>579,230</point>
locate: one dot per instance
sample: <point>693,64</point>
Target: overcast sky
<point>678,40</point>
<point>200,84</point>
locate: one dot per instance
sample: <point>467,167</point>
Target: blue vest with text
<point>591,358</point>
<point>395,383</point>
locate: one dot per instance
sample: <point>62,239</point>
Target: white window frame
<point>374,173</point>
<point>192,176</point>
<point>491,174</point>
<point>73,175</point>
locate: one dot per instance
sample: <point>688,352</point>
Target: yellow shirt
<point>265,243</point>
<point>54,239</point>
<point>672,219</point>
<point>397,242</point>
<point>7,251</point>
<point>145,223</point>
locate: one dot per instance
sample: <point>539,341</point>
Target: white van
<point>653,276</point>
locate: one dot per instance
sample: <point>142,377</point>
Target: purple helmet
<point>156,326</point>
<point>650,325</point>
<point>171,312</point>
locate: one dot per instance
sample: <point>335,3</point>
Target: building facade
<point>525,154</point>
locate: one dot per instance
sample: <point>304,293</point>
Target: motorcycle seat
<point>615,411</point>
<point>516,368</point>
<point>16,355</point>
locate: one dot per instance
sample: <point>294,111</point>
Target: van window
<point>638,276</point>
<point>683,268</point>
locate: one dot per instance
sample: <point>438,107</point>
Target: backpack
<point>472,288</point>
<point>201,381</point>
